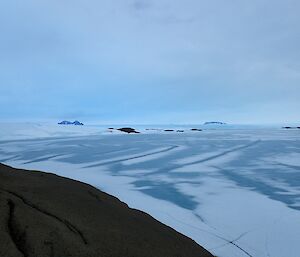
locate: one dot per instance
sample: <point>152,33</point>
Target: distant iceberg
<point>214,123</point>
<point>66,122</point>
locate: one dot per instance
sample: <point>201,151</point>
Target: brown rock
<point>49,216</point>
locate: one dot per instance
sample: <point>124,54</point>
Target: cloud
<point>148,57</point>
<point>141,5</point>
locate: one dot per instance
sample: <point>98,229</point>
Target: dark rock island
<point>288,127</point>
<point>66,122</point>
<point>128,130</point>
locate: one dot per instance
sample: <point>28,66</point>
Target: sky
<point>150,61</point>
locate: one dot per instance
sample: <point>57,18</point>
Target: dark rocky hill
<point>66,122</point>
<point>44,215</point>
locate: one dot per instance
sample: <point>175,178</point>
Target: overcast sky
<point>150,61</point>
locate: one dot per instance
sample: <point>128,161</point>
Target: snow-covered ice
<point>234,191</point>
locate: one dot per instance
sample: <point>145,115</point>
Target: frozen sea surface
<point>236,192</point>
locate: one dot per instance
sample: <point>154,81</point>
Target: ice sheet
<point>236,192</point>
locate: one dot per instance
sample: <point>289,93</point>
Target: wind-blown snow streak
<point>132,158</point>
<point>236,192</point>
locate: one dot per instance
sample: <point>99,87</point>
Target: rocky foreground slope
<point>46,215</point>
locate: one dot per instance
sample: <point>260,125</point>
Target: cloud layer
<point>150,61</point>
